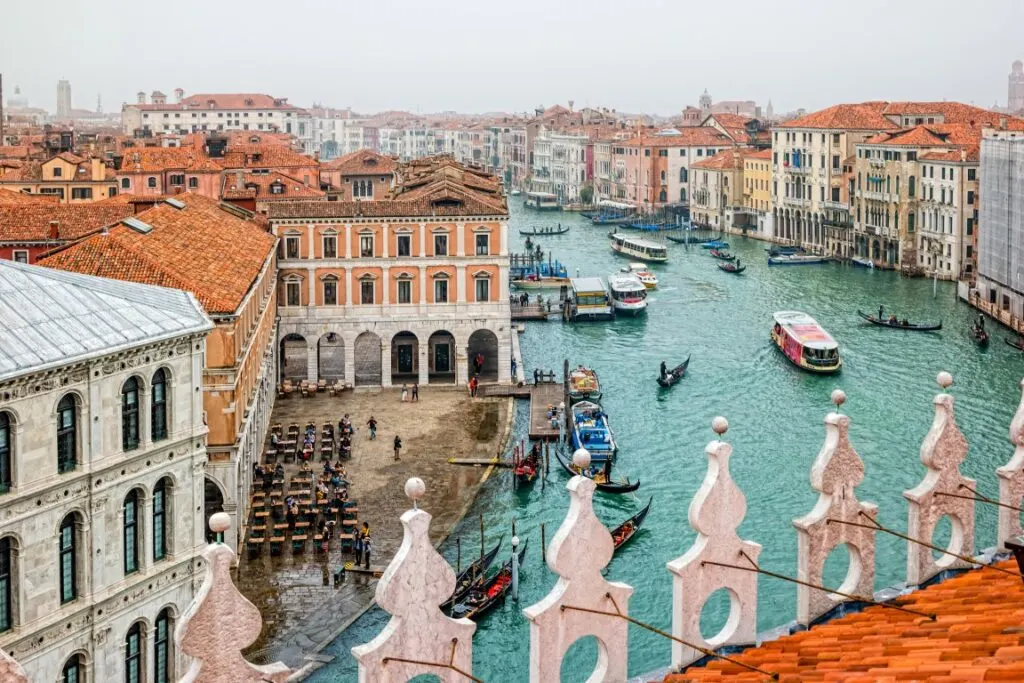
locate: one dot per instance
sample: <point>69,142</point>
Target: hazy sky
<point>476,55</point>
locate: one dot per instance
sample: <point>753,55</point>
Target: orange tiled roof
<point>952,112</point>
<point>31,222</point>
<point>863,116</point>
<point>201,248</point>
<point>14,151</point>
<point>759,154</point>
<point>257,186</point>
<point>160,159</point>
<point>688,137</point>
<point>69,157</point>
<point>10,197</point>
<point>222,101</point>
<point>731,120</point>
<point>723,161</point>
<point>977,634</point>
<point>270,155</point>
<point>361,162</point>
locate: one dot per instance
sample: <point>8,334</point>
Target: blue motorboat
<point>715,244</point>
<point>590,430</point>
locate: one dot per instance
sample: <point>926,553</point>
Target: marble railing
<point>420,639</point>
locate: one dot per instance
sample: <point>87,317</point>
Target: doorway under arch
<point>330,353</point>
<point>367,360</point>
<point>441,357</point>
<point>405,358</point>
<point>294,357</point>
<point>482,354</point>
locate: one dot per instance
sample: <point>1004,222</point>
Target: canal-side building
<point>757,192</point>
<point>999,290</point>
<point>194,243</point>
<point>363,175</point>
<point>102,453</point>
<point>400,290</point>
<point>717,186</point>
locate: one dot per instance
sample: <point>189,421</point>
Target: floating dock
<point>541,396</point>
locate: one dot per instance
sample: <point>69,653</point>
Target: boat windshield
<point>591,299</point>
<point>657,252</point>
<point>821,356</point>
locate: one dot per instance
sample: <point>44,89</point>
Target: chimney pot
<point>54,230</point>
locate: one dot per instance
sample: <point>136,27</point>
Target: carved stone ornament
<point>1011,480</point>
<point>10,670</point>
<point>716,511</point>
<point>412,589</point>
<point>580,549</point>
<point>836,472</point>
<point>943,450</point>
<point>220,623</point>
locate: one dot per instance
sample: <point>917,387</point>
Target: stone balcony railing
<point>836,206</point>
<point>420,640</point>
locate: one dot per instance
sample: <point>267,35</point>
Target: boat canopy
<point>607,203</point>
<point>805,330</point>
<point>626,282</point>
<point>588,284</point>
<point>542,195</point>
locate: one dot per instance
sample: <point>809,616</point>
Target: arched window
<point>682,175</point>
<point>131,532</point>
<point>6,584</point>
<point>133,654</point>
<point>160,534</point>
<point>67,437</point>
<point>130,414</point>
<point>158,406</point>
<point>151,181</point>
<point>162,648</point>
<point>72,671</point>
<point>67,544</point>
<point>6,451</point>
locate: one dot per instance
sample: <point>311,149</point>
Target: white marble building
<point>102,453</point>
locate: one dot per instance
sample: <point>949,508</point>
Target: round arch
<point>213,502</point>
<point>405,357</point>
<point>367,359</point>
<point>482,354</point>
<point>441,357</point>
<point>330,356</point>
<point>294,357</point>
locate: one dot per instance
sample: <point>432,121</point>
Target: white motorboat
<point>629,295</point>
<point>638,247</point>
<point>649,279</point>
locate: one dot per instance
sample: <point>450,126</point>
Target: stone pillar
<point>348,240</point>
<point>350,359</point>
<point>423,287</point>
<point>460,284</point>
<point>385,363</point>
<point>460,239</point>
<point>311,277</point>
<point>385,285</point>
<point>424,353</point>
<point>461,365</point>
<point>348,286</point>
<point>423,240</point>
<point>503,291</point>
<point>312,362</point>
<point>503,239</point>
<point>384,241</point>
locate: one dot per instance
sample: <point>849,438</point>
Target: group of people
<point>363,546</point>
<point>415,393</point>
<point>892,320</point>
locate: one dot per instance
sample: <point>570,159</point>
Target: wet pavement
<point>302,604</point>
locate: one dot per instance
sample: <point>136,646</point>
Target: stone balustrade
<point>420,639</point>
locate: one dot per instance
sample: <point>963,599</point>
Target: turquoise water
<point>775,414</point>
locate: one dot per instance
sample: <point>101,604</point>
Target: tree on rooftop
<point>587,194</point>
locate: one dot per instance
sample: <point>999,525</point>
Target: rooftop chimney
<point>1002,123</point>
<point>54,230</point>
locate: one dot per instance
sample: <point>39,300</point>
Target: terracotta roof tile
<point>264,155</point>
<point>758,154</point>
<point>201,248</point>
<point>726,160</point>
<point>977,635</point>
<point>361,162</point>
<point>258,186</point>
<point>863,116</point>
<point>222,101</point>
<point>10,197</point>
<point>694,136</point>
<point>31,222</point>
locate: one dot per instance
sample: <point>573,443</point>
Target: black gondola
<point>675,374</point>
<point>1017,343</point>
<point>471,576</point>
<point>624,533</point>
<point>598,476</point>
<point>722,255</point>
<point>731,268</point>
<point>485,597</point>
<point>545,232</point>
<point>979,335</point>
<point>901,324</point>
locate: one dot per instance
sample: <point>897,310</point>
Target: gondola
<point>545,232</point>
<point>471,576</point>
<point>526,468</point>
<point>490,593</point>
<point>731,268</point>
<point>624,533</point>
<point>901,325</point>
<point>1017,343</point>
<point>675,374</point>
<point>598,477</point>
<point>714,244</point>
<point>979,335</point>
<point>722,255</point>
<point>679,240</point>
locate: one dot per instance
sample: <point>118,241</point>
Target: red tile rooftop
<point>361,162</point>
<point>977,634</point>
<point>863,116</point>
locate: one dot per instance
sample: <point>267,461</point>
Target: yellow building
<point>72,178</point>
<point>716,201</point>
<point>757,190</point>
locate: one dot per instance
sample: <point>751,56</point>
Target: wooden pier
<point>541,396</point>
<point>535,311</point>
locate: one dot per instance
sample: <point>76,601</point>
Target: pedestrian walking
<point>536,376</point>
<point>416,392</point>
<point>372,424</point>
<point>405,393</point>
<point>398,447</point>
<point>513,367</point>
<point>367,548</point>
<point>473,384</point>
<point>357,548</point>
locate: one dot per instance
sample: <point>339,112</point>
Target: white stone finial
<point>838,397</point>
<point>943,450</point>
<point>720,425</point>
<point>220,623</point>
<point>579,550</point>
<point>944,379</point>
<point>10,670</point>
<point>414,489</point>
<point>716,511</point>
<point>417,581</point>
<point>836,472</point>
<point>581,458</point>
<point>515,541</point>
<point>1011,480</point>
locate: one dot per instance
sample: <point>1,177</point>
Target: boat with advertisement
<point>638,247</point>
<point>542,201</point>
<point>629,295</point>
<point>590,430</point>
<point>649,279</point>
<point>584,385</point>
<point>588,300</point>
<point>803,341</point>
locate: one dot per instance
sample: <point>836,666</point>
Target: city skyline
<point>657,70</point>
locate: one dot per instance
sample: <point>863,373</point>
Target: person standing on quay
<point>416,392</point>
<point>405,393</point>
<point>398,447</point>
<point>366,550</point>
<point>372,423</point>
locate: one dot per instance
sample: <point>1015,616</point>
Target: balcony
<point>836,206</point>
<point>793,201</point>
<point>798,170</point>
<point>876,196</point>
<point>876,163</point>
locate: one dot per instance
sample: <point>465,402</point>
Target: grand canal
<point>775,414</point>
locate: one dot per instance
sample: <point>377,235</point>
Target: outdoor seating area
<point>299,496</point>
<point>308,387</point>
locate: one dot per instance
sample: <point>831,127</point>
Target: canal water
<point>775,415</point>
